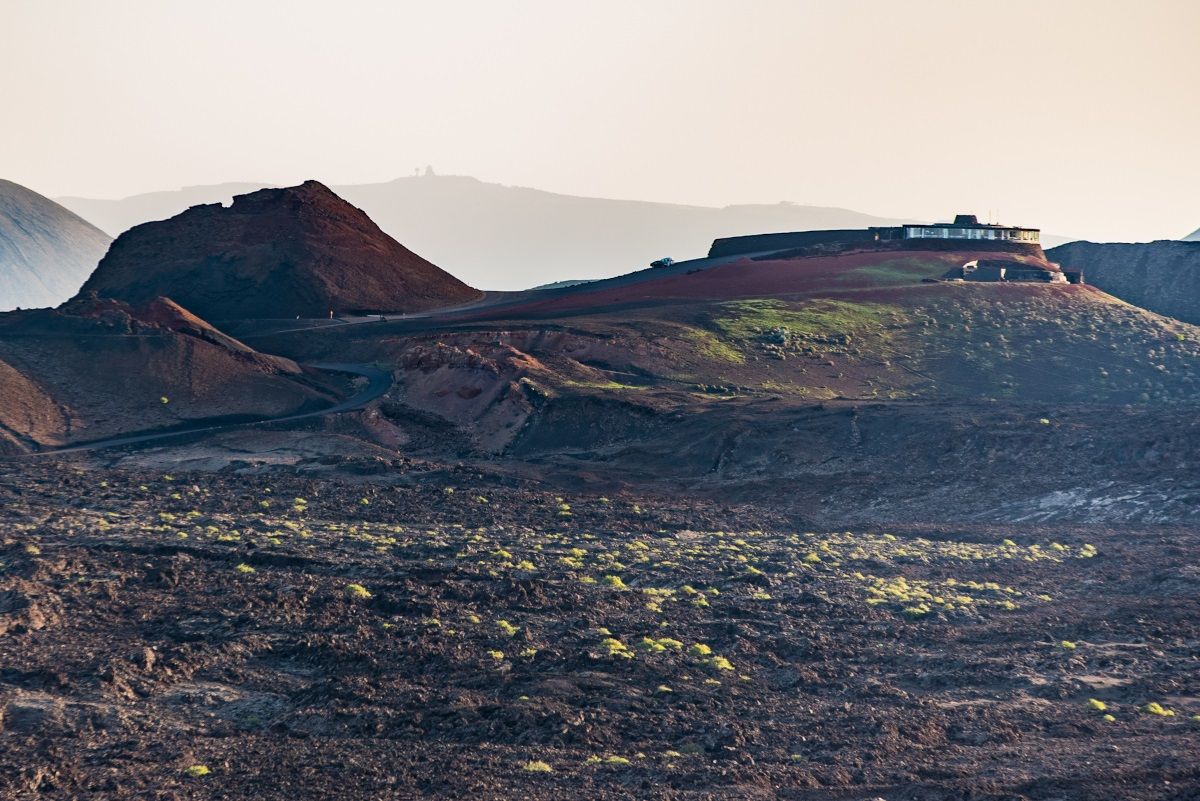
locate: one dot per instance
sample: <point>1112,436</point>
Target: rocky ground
<point>272,636</point>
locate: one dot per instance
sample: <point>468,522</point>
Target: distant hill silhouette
<point>508,237</point>
<point>1194,236</point>
<point>299,251</point>
<point>46,251</point>
<point>118,216</point>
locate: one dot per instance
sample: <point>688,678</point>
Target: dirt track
<point>378,382</point>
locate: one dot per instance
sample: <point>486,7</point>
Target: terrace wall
<point>756,243</point>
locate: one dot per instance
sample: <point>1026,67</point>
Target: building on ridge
<point>965,226</point>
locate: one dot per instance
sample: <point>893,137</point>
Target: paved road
<point>379,382</point>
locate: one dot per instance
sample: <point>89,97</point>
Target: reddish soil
<point>753,278</point>
<point>371,643</point>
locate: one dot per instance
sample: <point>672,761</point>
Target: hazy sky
<point>1079,117</point>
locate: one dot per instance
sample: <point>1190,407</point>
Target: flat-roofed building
<point>967,226</point>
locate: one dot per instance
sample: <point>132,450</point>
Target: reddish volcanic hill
<point>300,251</point>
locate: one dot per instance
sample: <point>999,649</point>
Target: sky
<point>1081,118</point>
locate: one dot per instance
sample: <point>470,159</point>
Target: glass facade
<point>971,232</point>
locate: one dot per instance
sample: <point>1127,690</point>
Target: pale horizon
<point>1025,114</point>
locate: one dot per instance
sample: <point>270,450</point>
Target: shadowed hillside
<point>46,251</point>
<point>1162,276</point>
<point>95,369</point>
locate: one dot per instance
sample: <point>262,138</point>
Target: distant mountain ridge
<point>495,236</point>
<point>117,216</point>
<point>46,250</point>
<point>274,253</point>
<point>1194,236</point>
<point>508,237</point>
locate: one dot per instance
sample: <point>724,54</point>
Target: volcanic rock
<point>95,368</point>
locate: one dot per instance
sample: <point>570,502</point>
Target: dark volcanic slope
<point>1163,276</point>
<point>94,369</point>
<point>46,251</point>
<point>273,253</point>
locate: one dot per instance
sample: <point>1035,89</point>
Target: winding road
<point>379,382</point>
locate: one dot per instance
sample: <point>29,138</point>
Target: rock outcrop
<point>274,253</point>
<point>46,251</point>
<point>1163,276</point>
